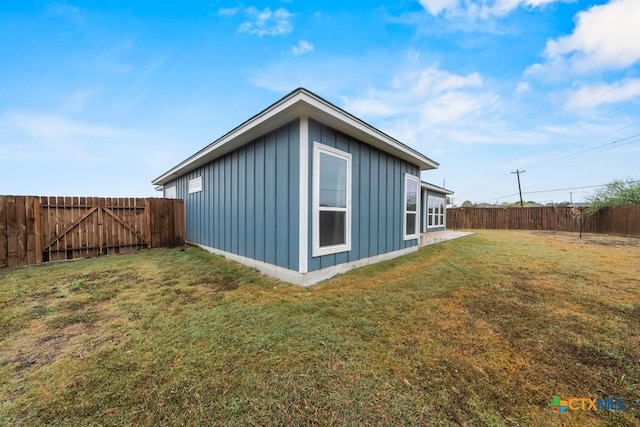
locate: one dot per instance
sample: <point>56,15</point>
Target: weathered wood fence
<point>621,220</point>
<point>41,229</point>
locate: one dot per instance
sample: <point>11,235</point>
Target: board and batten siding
<point>249,203</point>
<point>377,199</point>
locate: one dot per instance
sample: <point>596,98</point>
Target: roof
<point>300,102</point>
<point>435,188</point>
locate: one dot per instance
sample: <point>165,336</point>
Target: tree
<point>467,204</point>
<point>616,193</point>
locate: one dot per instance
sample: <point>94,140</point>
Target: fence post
<point>37,229</point>
<point>178,221</point>
<point>4,255</point>
<point>148,228</point>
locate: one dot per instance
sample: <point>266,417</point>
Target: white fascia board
<point>435,188</point>
<point>300,102</point>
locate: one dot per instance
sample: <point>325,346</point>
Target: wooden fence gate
<point>42,229</point>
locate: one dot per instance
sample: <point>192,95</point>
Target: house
<point>304,190</point>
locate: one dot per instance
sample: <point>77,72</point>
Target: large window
<point>331,200</point>
<point>411,195</point>
<point>435,211</point>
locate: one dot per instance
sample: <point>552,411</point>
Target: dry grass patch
<point>482,330</point>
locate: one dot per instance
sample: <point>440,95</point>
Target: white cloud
<point>53,138</point>
<point>594,95</point>
<point>54,128</point>
<point>76,100</point>
<point>430,106</point>
<point>523,87</point>
<point>605,38</point>
<point>267,22</point>
<point>370,106</point>
<point>228,11</point>
<point>433,80</point>
<point>436,6</point>
<point>429,92</point>
<point>480,9</point>
<point>65,11</point>
<point>302,47</point>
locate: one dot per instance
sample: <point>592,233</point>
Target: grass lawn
<point>482,330</point>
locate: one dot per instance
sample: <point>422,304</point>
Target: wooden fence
<point>621,220</point>
<point>41,229</point>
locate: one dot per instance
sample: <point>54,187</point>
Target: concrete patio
<point>440,236</point>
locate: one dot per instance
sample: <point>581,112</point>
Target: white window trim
<point>328,250</point>
<point>303,252</point>
<point>440,216</point>
<point>170,192</point>
<point>416,235</point>
<point>195,185</point>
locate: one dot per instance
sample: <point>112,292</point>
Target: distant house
<point>304,190</point>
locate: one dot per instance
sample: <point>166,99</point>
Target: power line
<point>571,154</point>
<point>545,191</point>
<point>601,147</point>
<point>550,191</point>
<point>596,119</point>
<point>596,98</point>
<point>592,102</point>
<point>489,183</point>
<point>592,150</point>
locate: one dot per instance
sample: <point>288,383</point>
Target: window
<point>170,192</point>
<point>195,185</point>
<point>435,211</point>
<point>411,187</point>
<point>331,200</point>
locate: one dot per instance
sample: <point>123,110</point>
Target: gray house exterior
<point>303,191</point>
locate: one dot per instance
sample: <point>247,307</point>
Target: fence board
<point>40,229</point>
<point>4,255</point>
<point>12,232</point>
<point>30,232</point>
<point>37,232</point>
<point>620,220</point>
<point>92,229</point>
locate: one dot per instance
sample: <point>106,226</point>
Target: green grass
<point>483,330</point>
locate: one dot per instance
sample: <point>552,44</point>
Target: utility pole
<point>518,172</point>
<point>571,197</point>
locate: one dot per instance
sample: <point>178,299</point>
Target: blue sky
<point>99,98</point>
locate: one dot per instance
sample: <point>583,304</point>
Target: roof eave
<point>435,188</point>
<point>297,104</point>
<point>264,122</point>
